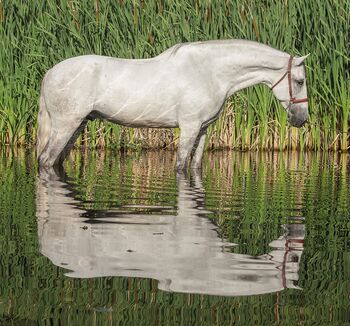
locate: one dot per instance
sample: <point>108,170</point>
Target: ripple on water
<point>237,231</point>
<point>167,229</point>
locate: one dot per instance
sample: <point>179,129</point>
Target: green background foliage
<point>35,35</point>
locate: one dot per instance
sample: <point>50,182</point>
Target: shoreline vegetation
<point>38,34</point>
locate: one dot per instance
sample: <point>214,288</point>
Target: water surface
<point>257,238</point>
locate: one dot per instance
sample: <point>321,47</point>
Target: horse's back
<point>102,68</point>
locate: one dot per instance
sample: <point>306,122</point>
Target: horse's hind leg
<point>188,137</point>
<point>44,127</point>
<point>198,149</point>
<point>61,140</point>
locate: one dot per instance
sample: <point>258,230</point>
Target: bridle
<point>292,100</point>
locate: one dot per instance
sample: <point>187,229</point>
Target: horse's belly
<point>142,115</point>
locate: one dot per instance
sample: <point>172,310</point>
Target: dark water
<point>257,239</point>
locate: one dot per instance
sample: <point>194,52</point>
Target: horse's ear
<point>298,61</point>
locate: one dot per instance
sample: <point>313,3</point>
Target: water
<point>258,238</point>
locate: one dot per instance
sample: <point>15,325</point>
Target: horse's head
<point>291,91</point>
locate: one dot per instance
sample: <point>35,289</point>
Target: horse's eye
<point>300,82</point>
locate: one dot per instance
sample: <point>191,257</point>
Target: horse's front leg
<point>188,137</point>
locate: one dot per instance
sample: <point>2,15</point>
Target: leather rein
<point>292,100</point>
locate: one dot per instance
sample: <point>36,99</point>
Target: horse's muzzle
<point>297,115</point>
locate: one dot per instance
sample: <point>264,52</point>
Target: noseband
<point>292,100</point>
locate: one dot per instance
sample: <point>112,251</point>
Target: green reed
<point>36,35</point>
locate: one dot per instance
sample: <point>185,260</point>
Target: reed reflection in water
<point>178,244</point>
<point>247,199</point>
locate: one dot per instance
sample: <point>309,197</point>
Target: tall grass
<point>36,35</point>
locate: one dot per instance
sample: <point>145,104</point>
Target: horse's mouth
<point>297,116</point>
<point>298,124</point>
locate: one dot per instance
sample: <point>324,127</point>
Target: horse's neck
<point>239,66</point>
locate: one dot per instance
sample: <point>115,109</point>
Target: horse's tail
<point>44,127</point>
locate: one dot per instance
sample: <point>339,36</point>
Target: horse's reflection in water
<point>182,251</point>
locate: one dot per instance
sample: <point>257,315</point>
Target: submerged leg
<point>197,154</point>
<point>61,141</point>
<point>188,138</point>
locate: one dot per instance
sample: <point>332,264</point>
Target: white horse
<point>183,250</point>
<point>185,86</point>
